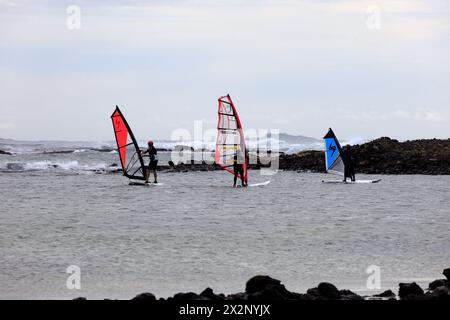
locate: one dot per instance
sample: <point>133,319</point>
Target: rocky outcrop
<point>390,156</point>
<point>328,290</point>
<point>266,288</point>
<point>438,283</point>
<point>145,297</point>
<point>441,293</point>
<point>188,296</point>
<point>209,294</point>
<point>446,273</point>
<point>410,291</point>
<point>385,294</point>
<point>5,152</point>
<point>263,288</point>
<point>313,161</point>
<point>383,156</point>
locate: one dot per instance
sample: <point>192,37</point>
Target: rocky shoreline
<point>264,288</point>
<point>380,156</point>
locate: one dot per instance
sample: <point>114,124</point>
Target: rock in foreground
<point>262,288</point>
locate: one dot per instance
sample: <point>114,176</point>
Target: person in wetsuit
<point>153,154</point>
<point>238,166</point>
<point>349,165</point>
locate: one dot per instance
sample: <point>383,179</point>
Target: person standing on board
<point>153,154</point>
<point>238,166</point>
<point>349,165</point>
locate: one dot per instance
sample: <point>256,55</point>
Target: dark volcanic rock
<point>104,149</point>
<point>259,283</point>
<point>439,293</point>
<point>58,152</point>
<point>349,295</point>
<point>189,296</point>
<point>261,288</point>
<point>209,294</point>
<point>438,283</point>
<point>409,291</point>
<point>439,289</point>
<point>303,161</point>
<point>446,273</point>
<point>182,167</point>
<point>313,292</point>
<point>145,297</point>
<point>328,290</point>
<point>390,156</point>
<point>5,152</point>
<point>241,296</point>
<point>385,294</point>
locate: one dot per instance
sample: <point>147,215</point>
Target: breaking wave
<point>47,165</point>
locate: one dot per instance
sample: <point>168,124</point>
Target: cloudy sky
<point>365,68</point>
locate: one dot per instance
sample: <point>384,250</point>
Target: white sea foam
<point>286,143</point>
<point>45,165</point>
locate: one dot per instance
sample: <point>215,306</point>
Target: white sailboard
<point>145,184</point>
<point>351,182</point>
<point>262,184</point>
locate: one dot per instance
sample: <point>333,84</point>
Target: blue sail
<point>333,151</point>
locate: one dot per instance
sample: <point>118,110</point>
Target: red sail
<point>129,152</point>
<point>230,143</point>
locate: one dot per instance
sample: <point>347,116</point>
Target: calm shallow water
<point>196,231</point>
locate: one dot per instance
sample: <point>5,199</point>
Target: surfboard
<point>145,184</point>
<point>351,182</point>
<point>265,183</point>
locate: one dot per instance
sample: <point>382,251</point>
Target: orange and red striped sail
<point>230,145</point>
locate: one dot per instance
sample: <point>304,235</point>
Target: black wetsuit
<point>349,165</point>
<point>153,153</point>
<point>238,168</point>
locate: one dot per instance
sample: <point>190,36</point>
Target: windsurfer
<point>238,166</point>
<point>349,165</point>
<point>153,154</point>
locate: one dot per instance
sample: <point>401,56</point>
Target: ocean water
<point>195,231</point>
